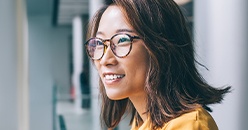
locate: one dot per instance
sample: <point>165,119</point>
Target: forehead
<point>112,20</point>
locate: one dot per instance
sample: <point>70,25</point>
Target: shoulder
<point>198,119</point>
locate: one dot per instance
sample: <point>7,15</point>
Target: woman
<point>145,59</point>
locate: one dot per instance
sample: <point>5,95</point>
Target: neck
<point>139,103</point>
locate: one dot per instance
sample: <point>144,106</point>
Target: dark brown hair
<point>173,85</point>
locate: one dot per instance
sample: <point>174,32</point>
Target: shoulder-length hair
<point>173,85</point>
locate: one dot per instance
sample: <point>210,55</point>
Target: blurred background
<point>48,83</point>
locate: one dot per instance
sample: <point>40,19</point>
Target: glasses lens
<point>121,45</point>
<point>95,48</point>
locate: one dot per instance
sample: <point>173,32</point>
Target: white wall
<point>60,59</point>
<point>94,5</point>
<point>41,81</point>
<point>49,66</point>
<point>8,66</point>
<point>221,39</point>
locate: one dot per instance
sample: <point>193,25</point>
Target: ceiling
<point>63,11</point>
<point>39,7</point>
<point>68,9</point>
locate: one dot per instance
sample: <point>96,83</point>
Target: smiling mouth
<point>114,76</point>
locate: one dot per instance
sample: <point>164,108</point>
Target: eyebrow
<point>124,30</point>
<point>117,31</point>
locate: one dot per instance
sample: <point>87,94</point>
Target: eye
<point>98,42</point>
<point>124,39</point>
<point>121,40</point>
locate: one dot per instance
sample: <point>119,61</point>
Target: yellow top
<point>198,119</point>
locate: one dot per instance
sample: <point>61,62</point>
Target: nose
<point>108,57</point>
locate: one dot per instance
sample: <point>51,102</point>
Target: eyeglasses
<point>120,44</point>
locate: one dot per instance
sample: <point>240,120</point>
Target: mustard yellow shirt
<point>198,119</point>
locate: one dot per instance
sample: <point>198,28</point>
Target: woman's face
<point>122,77</point>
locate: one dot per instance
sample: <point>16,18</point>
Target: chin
<point>115,97</point>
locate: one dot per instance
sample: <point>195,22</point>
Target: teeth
<point>113,76</point>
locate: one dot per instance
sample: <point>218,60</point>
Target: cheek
<point>96,64</point>
<point>142,59</point>
<point>138,65</point>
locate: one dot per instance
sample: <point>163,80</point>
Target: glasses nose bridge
<point>106,40</point>
<point>106,45</point>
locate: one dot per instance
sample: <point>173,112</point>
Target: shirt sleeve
<point>189,125</point>
<point>196,120</point>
